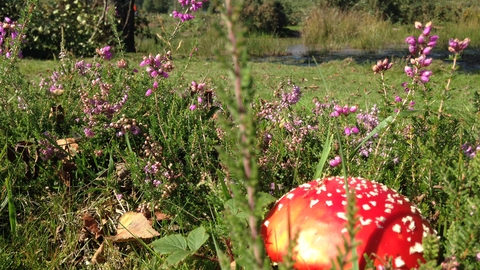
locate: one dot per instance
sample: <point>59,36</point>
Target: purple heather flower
<point>412,49</point>
<point>433,38</point>
<point>478,256</point>
<point>411,40</point>
<point>335,162</point>
<point>157,183</point>
<point>155,84</point>
<point>88,132</point>
<point>119,196</point>
<point>411,104</point>
<point>427,50</point>
<point>196,5</point>
<point>398,99</point>
<point>421,39</point>
<point>457,46</point>
<point>135,130</point>
<point>291,98</point>
<point>351,130</point>
<point>425,75</point>
<point>105,53</point>
<point>200,100</point>
<point>469,150</point>
<point>427,30</point>
<point>409,71</point>
<point>192,107</point>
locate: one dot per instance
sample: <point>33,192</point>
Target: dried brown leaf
<point>133,225</point>
<point>91,225</point>
<point>98,256</point>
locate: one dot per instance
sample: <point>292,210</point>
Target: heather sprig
<point>191,6</point>
<point>456,47</point>
<point>158,68</point>
<point>381,67</point>
<point>419,49</point>
<point>9,33</point>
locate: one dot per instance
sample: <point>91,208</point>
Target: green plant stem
<point>351,200</point>
<point>447,87</point>
<point>243,121</point>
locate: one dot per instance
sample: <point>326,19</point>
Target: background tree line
<point>83,25</point>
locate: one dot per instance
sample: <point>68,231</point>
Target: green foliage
<point>411,10</point>
<point>180,247</point>
<point>156,6</point>
<point>264,16</point>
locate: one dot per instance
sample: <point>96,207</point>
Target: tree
<point>125,10</point>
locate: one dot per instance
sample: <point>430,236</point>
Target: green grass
<point>193,164</point>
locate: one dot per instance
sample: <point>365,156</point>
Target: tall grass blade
<point>11,207</point>
<point>327,146</point>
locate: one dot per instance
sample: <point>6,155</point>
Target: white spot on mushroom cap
<point>366,207</point>
<point>329,194</point>
<point>374,203</point>
<point>344,230</point>
<point>266,223</point>
<point>344,202</point>
<point>365,222</point>
<point>329,203</point>
<point>380,219</point>
<point>397,228</point>
<point>341,215</point>
<point>280,207</point>
<point>313,202</point>
<point>290,195</point>
<point>411,226</point>
<point>399,262</point>
<point>306,185</point>
<point>416,248</point>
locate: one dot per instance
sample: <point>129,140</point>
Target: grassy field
<point>132,163</point>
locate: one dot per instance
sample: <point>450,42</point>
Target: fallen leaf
<point>161,216</point>
<point>70,146</point>
<point>91,225</point>
<point>133,225</point>
<point>98,256</point>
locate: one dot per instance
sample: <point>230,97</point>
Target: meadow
<point>171,158</point>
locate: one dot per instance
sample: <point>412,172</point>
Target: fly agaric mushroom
<point>390,227</point>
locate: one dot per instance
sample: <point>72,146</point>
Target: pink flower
<point>88,132</point>
<point>148,93</point>
<point>335,162</point>
<point>409,71</point>
<point>192,107</point>
<point>411,40</point>
<point>427,50</point>
<point>421,39</point>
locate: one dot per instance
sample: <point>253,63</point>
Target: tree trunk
<point>125,9</point>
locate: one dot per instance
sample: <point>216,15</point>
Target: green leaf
<point>178,256</point>
<point>387,121</point>
<point>169,244</point>
<point>327,146</point>
<point>197,238</point>
<point>263,199</point>
<point>233,207</point>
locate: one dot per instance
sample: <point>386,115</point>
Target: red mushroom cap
<point>390,226</point>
